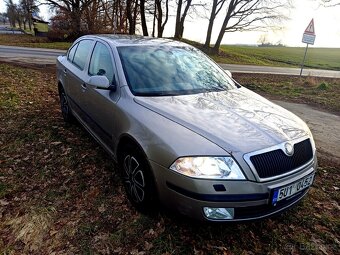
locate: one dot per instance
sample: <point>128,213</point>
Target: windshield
<point>169,70</point>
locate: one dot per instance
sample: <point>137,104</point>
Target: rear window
<point>82,53</point>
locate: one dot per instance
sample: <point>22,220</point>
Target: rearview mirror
<point>99,81</point>
<point>228,73</point>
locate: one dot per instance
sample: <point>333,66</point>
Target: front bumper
<point>251,200</point>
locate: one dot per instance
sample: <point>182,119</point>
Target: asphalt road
<point>281,70</point>
<point>48,56</point>
<point>29,55</point>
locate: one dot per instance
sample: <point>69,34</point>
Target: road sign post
<point>308,38</point>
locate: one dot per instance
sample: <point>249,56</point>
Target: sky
<point>326,21</point>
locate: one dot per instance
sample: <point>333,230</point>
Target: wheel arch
<point>60,85</point>
<point>127,139</point>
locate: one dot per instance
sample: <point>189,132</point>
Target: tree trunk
<point>135,13</point>
<point>211,24</point>
<point>75,22</point>
<point>160,18</point>
<point>217,45</point>
<point>129,16</point>
<point>30,23</point>
<point>183,18</point>
<point>143,19</point>
<point>178,20</point>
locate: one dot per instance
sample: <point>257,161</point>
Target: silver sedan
<point>183,132</point>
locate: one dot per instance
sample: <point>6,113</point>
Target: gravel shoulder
<point>325,126</point>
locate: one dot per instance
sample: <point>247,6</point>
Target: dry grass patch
<point>321,92</point>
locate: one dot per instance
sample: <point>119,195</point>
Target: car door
<point>76,76</point>
<point>101,103</point>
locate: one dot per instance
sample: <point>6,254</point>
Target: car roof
<point>135,40</point>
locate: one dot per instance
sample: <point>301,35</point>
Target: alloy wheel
<point>64,104</point>
<point>133,179</point>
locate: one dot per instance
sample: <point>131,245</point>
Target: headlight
<point>208,168</point>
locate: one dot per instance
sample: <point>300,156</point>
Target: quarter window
<point>101,62</point>
<point>82,52</point>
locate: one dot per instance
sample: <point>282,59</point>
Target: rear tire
<point>138,180</point>
<point>65,107</point>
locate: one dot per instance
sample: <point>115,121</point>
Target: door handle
<point>65,71</point>
<point>83,86</point>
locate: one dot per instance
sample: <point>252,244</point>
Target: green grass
<point>32,41</point>
<point>321,58</point>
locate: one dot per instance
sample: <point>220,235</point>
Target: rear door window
<point>82,53</point>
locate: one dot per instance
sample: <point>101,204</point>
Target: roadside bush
<point>324,86</point>
<point>57,35</point>
<point>310,81</point>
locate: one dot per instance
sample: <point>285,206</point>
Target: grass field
<point>60,194</point>
<point>321,58</point>
<point>32,41</point>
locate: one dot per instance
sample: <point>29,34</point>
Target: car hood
<point>238,120</point>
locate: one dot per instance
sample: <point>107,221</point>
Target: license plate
<point>291,189</point>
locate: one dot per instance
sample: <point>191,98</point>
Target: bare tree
<point>180,17</point>
<point>28,7</point>
<point>154,20</point>
<point>20,17</point>
<point>74,9</point>
<point>215,9</point>
<point>132,8</point>
<point>143,19</point>
<point>11,12</point>
<point>330,3</point>
<point>94,17</point>
<point>250,15</point>
<point>159,16</point>
<point>119,16</point>
<point>184,8</point>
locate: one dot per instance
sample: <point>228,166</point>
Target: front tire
<point>138,180</point>
<point>65,107</point>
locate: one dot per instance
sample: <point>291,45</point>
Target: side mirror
<point>99,81</point>
<point>228,73</point>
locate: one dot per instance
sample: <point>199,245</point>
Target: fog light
<point>219,213</point>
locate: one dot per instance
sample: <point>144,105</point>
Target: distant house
<point>40,26</point>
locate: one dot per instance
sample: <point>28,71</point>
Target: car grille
<point>276,162</point>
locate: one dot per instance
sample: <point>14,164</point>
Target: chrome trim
<point>281,146</point>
